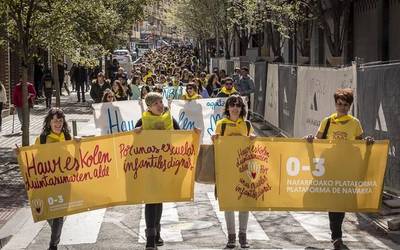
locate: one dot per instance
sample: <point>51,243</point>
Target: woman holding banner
<point>157,117</point>
<point>55,129</point>
<point>234,124</point>
<point>340,126</point>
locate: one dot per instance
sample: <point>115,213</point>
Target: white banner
<point>314,100</point>
<point>174,92</point>
<point>271,114</point>
<point>122,116</point>
<point>116,117</point>
<point>201,113</point>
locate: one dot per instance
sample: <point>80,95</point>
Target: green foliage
<point>83,30</point>
<point>246,17</point>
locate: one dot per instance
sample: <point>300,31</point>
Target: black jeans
<point>153,214</point>
<point>48,93</point>
<point>80,88</point>
<point>335,223</point>
<point>56,225</point>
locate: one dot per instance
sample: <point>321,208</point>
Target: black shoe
<point>159,240</point>
<point>151,239</point>
<point>231,241</point>
<point>338,244</point>
<point>243,240</point>
<point>52,248</point>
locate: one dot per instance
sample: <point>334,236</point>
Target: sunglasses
<point>238,105</point>
<point>229,83</point>
<point>189,88</point>
<point>110,96</point>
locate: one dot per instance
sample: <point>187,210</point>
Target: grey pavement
<point>192,225</point>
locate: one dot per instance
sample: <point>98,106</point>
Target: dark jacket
<point>82,75</point>
<point>47,80</point>
<point>212,92</point>
<point>97,91</point>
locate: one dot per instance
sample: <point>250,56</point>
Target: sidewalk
<point>11,133</point>
<point>13,195</point>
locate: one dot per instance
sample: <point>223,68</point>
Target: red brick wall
<point>4,68</point>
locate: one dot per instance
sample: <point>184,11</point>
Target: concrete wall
<point>367,30</point>
<point>394,30</point>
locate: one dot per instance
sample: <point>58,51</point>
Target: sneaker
<point>159,240</point>
<point>338,244</point>
<point>231,241</point>
<point>243,240</point>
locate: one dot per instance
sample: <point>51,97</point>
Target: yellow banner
<point>69,177</point>
<point>291,174</point>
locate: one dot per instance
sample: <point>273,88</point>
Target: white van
<point>124,59</point>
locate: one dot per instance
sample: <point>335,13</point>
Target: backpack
<point>325,134</point>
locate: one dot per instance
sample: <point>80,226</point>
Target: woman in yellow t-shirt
<point>234,123</point>
<point>340,126</point>
<point>191,92</point>
<point>55,129</point>
<point>157,117</point>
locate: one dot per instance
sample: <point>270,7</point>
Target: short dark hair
<point>233,99</point>
<point>245,69</point>
<point>227,79</point>
<point>345,94</point>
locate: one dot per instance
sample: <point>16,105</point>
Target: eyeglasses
<point>238,105</point>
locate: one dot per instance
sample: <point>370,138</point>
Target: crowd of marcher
<point>174,67</point>
<point>170,67</point>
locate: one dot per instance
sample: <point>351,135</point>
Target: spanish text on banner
<point>292,174</point>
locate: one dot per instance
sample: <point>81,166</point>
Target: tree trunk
<point>244,43</point>
<point>204,53</point>
<point>25,104</point>
<point>56,80</point>
<point>217,42</point>
<point>227,46</point>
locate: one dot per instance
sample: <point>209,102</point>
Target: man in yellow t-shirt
<point>340,126</point>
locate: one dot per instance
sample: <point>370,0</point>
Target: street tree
<point>79,29</point>
<point>187,18</point>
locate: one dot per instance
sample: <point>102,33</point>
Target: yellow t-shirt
<point>229,92</point>
<point>52,138</point>
<point>193,97</point>
<point>157,122</point>
<point>233,128</point>
<point>344,128</point>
